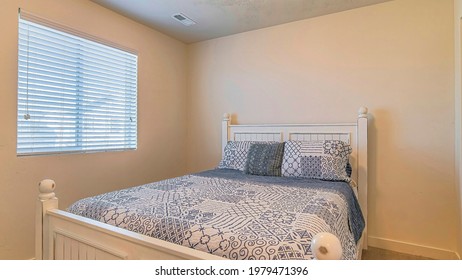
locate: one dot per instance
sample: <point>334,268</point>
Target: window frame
<point>131,101</point>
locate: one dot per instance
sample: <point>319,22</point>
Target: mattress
<point>234,215</point>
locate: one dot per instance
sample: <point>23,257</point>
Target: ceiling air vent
<point>183,19</point>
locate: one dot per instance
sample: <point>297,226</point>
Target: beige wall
<point>397,58</point>
<point>161,125</point>
<point>458,104</point>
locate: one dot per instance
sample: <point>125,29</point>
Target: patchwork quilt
<point>234,215</point>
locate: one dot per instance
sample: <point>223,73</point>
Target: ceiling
<point>218,18</point>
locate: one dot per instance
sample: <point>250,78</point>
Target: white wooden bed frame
<point>62,235</point>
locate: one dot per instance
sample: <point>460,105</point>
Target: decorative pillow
<point>265,159</point>
<point>235,154</point>
<point>348,169</point>
<point>326,160</point>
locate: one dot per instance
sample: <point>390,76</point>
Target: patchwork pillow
<point>264,159</point>
<point>326,160</point>
<point>235,154</point>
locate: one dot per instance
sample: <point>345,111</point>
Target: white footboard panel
<point>71,237</point>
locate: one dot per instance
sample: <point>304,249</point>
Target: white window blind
<point>74,94</point>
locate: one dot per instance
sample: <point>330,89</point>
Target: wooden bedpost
<point>225,131</point>
<point>47,200</point>
<point>362,166</point>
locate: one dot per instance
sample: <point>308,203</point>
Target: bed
<point>235,211</point>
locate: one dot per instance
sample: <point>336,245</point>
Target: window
<point>74,94</point>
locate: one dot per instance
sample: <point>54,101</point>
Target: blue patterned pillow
<point>235,154</point>
<point>326,160</point>
<point>265,159</point>
<point>349,169</point>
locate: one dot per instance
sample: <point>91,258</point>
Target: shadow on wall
<point>372,164</point>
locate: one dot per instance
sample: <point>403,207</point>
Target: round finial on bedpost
<point>326,246</point>
<point>226,116</point>
<point>362,112</point>
<point>46,188</point>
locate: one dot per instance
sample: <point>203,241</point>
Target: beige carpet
<point>380,254</point>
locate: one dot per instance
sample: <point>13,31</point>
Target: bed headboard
<point>354,133</point>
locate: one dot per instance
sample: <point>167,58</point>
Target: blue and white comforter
<point>233,215</point>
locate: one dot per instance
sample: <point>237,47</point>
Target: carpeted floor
<point>380,254</point>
